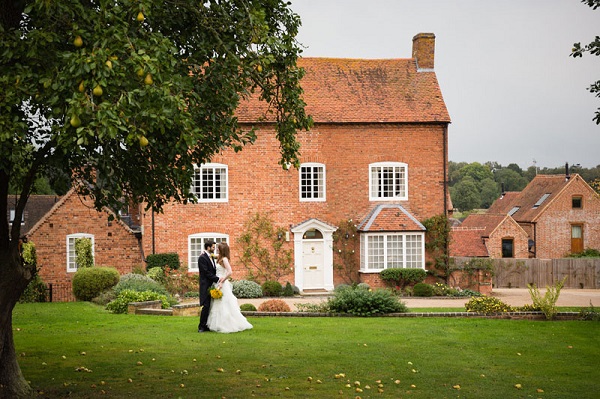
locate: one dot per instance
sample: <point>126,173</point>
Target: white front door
<point>312,262</point>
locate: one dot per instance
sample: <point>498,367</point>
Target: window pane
<point>394,251</point>
<point>507,248</point>
<point>388,181</point>
<point>376,257</point>
<point>414,255</point>
<point>312,182</point>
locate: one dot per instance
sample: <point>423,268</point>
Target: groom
<point>207,269</point>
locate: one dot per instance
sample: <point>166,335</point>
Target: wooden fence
<point>517,273</point>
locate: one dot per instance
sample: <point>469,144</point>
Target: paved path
<point>511,296</point>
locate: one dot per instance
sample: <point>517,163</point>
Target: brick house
<point>114,243</point>
<point>559,214</point>
<point>377,154</point>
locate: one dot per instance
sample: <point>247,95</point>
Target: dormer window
<point>577,202</point>
<point>541,200</point>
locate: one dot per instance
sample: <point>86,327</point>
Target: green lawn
<point>164,357</point>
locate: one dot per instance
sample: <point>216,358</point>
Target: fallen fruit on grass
<point>413,386</point>
<point>220,370</point>
<point>456,386</point>
<point>539,390</point>
<point>397,382</point>
<point>518,386</point>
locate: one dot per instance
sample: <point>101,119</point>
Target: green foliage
<point>140,283</point>
<point>272,288</point>
<point>363,286</point>
<point>263,253</point>
<point>157,274</point>
<point>547,303</point>
<point>170,260</point>
<point>465,195</point>
<point>104,297</point>
<point>29,254</point>
<point>288,290</point>
<point>346,242</point>
<point>125,297</point>
<point>247,307</point>
<point>360,302</point>
<point>402,277</point>
<point>437,242</point>
<point>83,253</point>
<point>35,291</point>
<point>89,282</point>
<point>587,253</point>
<point>191,294</point>
<point>246,289</point>
<point>591,313</point>
<point>423,289</point>
<point>180,281</point>
<point>274,305</point>
<point>488,305</point>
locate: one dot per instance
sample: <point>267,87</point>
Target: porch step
<point>315,292</point>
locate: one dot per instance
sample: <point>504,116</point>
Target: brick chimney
<point>424,50</point>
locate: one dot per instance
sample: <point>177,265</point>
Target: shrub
<point>363,286</point>
<point>342,287</point>
<point>547,303</point>
<point>487,305</point>
<point>422,289</point>
<point>587,253</point>
<point>288,290</point>
<point>119,305</point>
<point>402,277</point>
<point>191,294</point>
<point>591,313</point>
<point>321,307</point>
<point>272,288</point>
<point>105,297</point>
<point>35,291</point>
<point>170,260</point>
<point>140,283</point>
<point>274,305</point>
<point>157,274</point>
<point>246,289</point>
<point>361,302</point>
<point>180,281</point>
<point>296,290</point>
<point>89,282</point>
<point>247,307</point>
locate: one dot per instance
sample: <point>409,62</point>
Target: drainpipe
<point>153,245</point>
<point>534,240</point>
<point>445,159</point>
<point>138,235</point>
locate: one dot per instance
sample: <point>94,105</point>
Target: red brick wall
<point>553,230</point>
<point>114,244</point>
<point>508,229</point>
<point>258,184</point>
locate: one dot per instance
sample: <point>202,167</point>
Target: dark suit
<point>208,276</point>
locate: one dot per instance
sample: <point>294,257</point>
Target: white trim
<point>393,165</point>
<point>324,193</point>
<point>75,236</point>
<point>364,250</point>
<point>212,166</point>
<point>327,232</point>
<point>193,255</point>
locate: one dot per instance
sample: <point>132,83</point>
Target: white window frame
<point>375,185</point>
<point>405,254</point>
<point>13,212</point>
<point>197,184</point>
<point>71,265</point>
<point>320,184</point>
<point>196,247</point>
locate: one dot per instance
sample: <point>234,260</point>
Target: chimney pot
<point>424,50</point>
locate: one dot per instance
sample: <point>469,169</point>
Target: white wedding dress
<point>225,315</point>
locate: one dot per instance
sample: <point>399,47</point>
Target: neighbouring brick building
<point>377,154</point>
<point>553,216</point>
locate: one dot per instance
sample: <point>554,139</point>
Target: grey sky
<point>513,92</point>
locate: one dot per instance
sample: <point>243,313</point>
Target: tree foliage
<point>124,96</point>
<point>593,48</point>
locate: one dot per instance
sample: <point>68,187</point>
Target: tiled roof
<point>504,204</point>
<point>390,217</point>
<point>467,242</point>
<point>340,90</point>
<point>486,221</point>
<point>37,206</point>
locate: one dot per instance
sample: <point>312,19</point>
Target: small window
<point>577,202</point>
<point>71,253</point>
<point>514,210</point>
<point>196,246</point>
<point>508,248</point>
<point>312,234</point>
<point>312,182</point>
<point>541,200</point>
<point>388,181</point>
<point>210,183</point>
<point>12,217</point>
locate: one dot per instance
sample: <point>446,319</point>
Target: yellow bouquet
<point>216,293</point>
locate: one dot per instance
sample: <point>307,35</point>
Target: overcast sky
<point>513,92</point>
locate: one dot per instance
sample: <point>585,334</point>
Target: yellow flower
<point>216,293</point>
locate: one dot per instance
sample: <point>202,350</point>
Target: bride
<point>225,315</point>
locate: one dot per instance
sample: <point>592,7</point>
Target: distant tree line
<point>477,186</point>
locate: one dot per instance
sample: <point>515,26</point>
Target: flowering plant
<point>216,293</point>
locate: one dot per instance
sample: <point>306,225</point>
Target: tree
<point>594,49</point>
<point>489,192</point>
<point>465,194</point>
<point>511,180</point>
<point>123,97</point>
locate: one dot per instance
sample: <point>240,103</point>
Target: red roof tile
<point>390,218</point>
<point>467,242</point>
<point>368,91</point>
<point>487,222</point>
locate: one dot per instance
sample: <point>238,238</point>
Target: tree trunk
<point>14,277</point>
